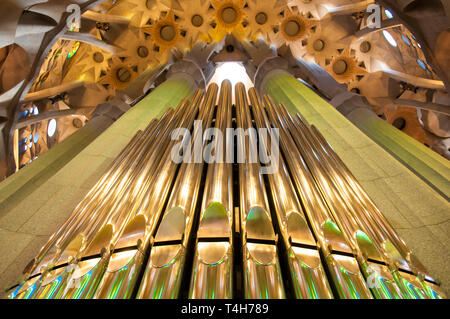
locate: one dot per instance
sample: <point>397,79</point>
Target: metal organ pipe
<point>131,234</point>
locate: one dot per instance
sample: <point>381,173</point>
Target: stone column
<point>418,213</point>
<point>422,161</point>
<point>33,203</point>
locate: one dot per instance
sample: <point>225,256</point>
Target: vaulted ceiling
<point>51,72</point>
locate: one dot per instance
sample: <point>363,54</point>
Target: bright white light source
<point>51,129</point>
<point>232,71</point>
<point>389,38</point>
<point>35,110</point>
<point>388,14</point>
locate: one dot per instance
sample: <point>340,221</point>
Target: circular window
<point>142,51</point>
<point>340,67</point>
<point>167,33</point>
<point>261,18</point>
<point>229,15</point>
<point>98,57</point>
<point>197,20</point>
<point>319,45</point>
<point>51,128</point>
<point>365,47</point>
<point>123,75</point>
<point>292,28</point>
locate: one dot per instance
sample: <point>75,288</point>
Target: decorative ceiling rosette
<point>119,74</point>
<point>196,17</point>
<point>293,28</point>
<point>166,34</point>
<point>229,18</point>
<point>91,62</point>
<point>262,17</point>
<point>345,68</point>
<point>138,49</point>
<point>140,11</point>
<point>322,46</point>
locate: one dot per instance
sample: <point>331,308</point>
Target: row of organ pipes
<point>153,228</point>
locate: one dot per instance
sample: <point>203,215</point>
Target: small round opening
<point>229,15</point>
<point>340,67</point>
<point>261,18</point>
<point>365,47</point>
<point>123,74</point>
<point>197,20</point>
<point>230,48</point>
<point>292,28</point>
<point>167,33</point>
<point>142,51</point>
<point>319,45</point>
<point>399,123</point>
<point>98,57</point>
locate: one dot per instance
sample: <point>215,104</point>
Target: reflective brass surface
<point>132,233</point>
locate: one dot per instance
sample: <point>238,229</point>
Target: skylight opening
<point>405,39</point>
<point>232,71</point>
<point>51,129</point>
<point>422,64</point>
<point>389,38</point>
<point>388,14</point>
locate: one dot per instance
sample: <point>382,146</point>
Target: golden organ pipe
<point>105,242</point>
<point>307,273</point>
<point>98,187</point>
<point>128,264</point>
<point>104,237</point>
<point>167,253</point>
<point>212,270</point>
<point>262,274</point>
<point>377,221</point>
<point>343,207</point>
<point>344,269</point>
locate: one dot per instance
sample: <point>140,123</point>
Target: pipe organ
<point>155,228</point>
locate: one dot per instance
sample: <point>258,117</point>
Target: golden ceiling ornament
<point>196,18</point>
<point>295,25</point>
<point>262,17</point>
<point>229,17</point>
<point>141,11</point>
<point>166,33</point>
<point>89,67</point>
<point>322,46</point>
<point>345,68</point>
<point>119,75</point>
<point>138,49</point>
